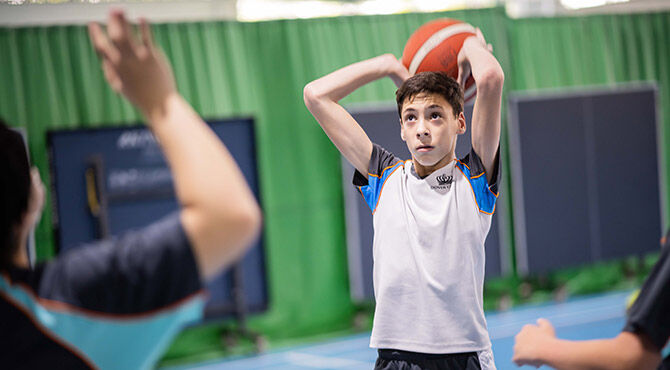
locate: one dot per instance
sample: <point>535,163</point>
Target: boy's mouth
<point>424,148</point>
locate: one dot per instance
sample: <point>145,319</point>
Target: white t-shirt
<point>428,253</point>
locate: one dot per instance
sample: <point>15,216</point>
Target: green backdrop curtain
<point>51,79</point>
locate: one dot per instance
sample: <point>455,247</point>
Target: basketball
<point>434,47</point>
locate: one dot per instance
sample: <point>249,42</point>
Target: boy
<point>431,213</point>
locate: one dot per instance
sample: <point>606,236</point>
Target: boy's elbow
<point>639,360</point>
<point>310,95</point>
<point>254,219</point>
<point>222,235</point>
<point>635,351</point>
<point>247,220</point>
<point>239,217</point>
<point>491,80</point>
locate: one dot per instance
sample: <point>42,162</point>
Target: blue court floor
<point>581,318</point>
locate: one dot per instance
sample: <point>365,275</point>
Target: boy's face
<point>429,128</point>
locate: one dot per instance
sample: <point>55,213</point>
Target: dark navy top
<point>650,314</point>
<point>111,304</point>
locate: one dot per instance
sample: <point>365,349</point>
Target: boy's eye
<point>410,117</point>
<point>435,115</point>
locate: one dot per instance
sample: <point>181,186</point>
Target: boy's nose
<point>422,130</point>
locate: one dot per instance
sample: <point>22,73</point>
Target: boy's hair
<point>431,83</point>
<point>14,191</point>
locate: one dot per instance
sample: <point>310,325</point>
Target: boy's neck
<point>424,171</point>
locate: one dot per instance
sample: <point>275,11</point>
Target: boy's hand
<point>531,340</point>
<point>398,72</point>
<point>134,68</point>
<point>464,68</point>
<point>36,199</point>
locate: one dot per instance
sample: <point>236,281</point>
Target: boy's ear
<point>402,130</point>
<point>461,123</point>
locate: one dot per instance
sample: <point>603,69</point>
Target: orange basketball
<point>434,47</point>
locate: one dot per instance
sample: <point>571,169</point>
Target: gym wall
<point>51,79</point>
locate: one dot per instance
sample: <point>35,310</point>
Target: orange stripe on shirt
<point>386,168</point>
<point>473,192</point>
<point>459,161</point>
<point>382,189</point>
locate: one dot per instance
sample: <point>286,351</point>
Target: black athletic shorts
<point>392,359</point>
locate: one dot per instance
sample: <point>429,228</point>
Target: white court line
<point>607,310</point>
<point>558,321</point>
<point>607,301</point>
<point>339,344</point>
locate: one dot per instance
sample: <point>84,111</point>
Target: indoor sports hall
<point>576,227</point>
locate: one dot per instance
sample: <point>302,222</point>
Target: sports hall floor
<point>580,318</point>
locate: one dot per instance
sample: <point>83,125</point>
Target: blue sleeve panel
<point>485,193</point>
<point>114,304</point>
<point>381,166</point>
<point>373,189</point>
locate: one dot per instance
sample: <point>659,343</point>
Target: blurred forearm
<point>624,352</point>
<point>219,214</point>
<point>346,80</point>
<point>217,203</point>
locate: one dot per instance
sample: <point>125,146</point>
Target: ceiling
<point>16,13</point>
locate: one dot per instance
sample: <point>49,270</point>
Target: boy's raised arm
<point>475,57</point>
<point>218,211</point>
<point>322,97</point>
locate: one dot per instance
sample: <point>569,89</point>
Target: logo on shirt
<point>443,182</point>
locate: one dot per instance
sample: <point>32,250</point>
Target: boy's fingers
<point>480,35</point>
<point>147,37</point>
<point>120,32</point>
<point>96,36</point>
<point>543,323</point>
<point>111,76</point>
<point>463,74</point>
<point>98,39</point>
<point>101,44</point>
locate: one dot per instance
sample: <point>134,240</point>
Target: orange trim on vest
<point>67,308</point>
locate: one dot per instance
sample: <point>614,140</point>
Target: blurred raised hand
<point>134,67</point>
